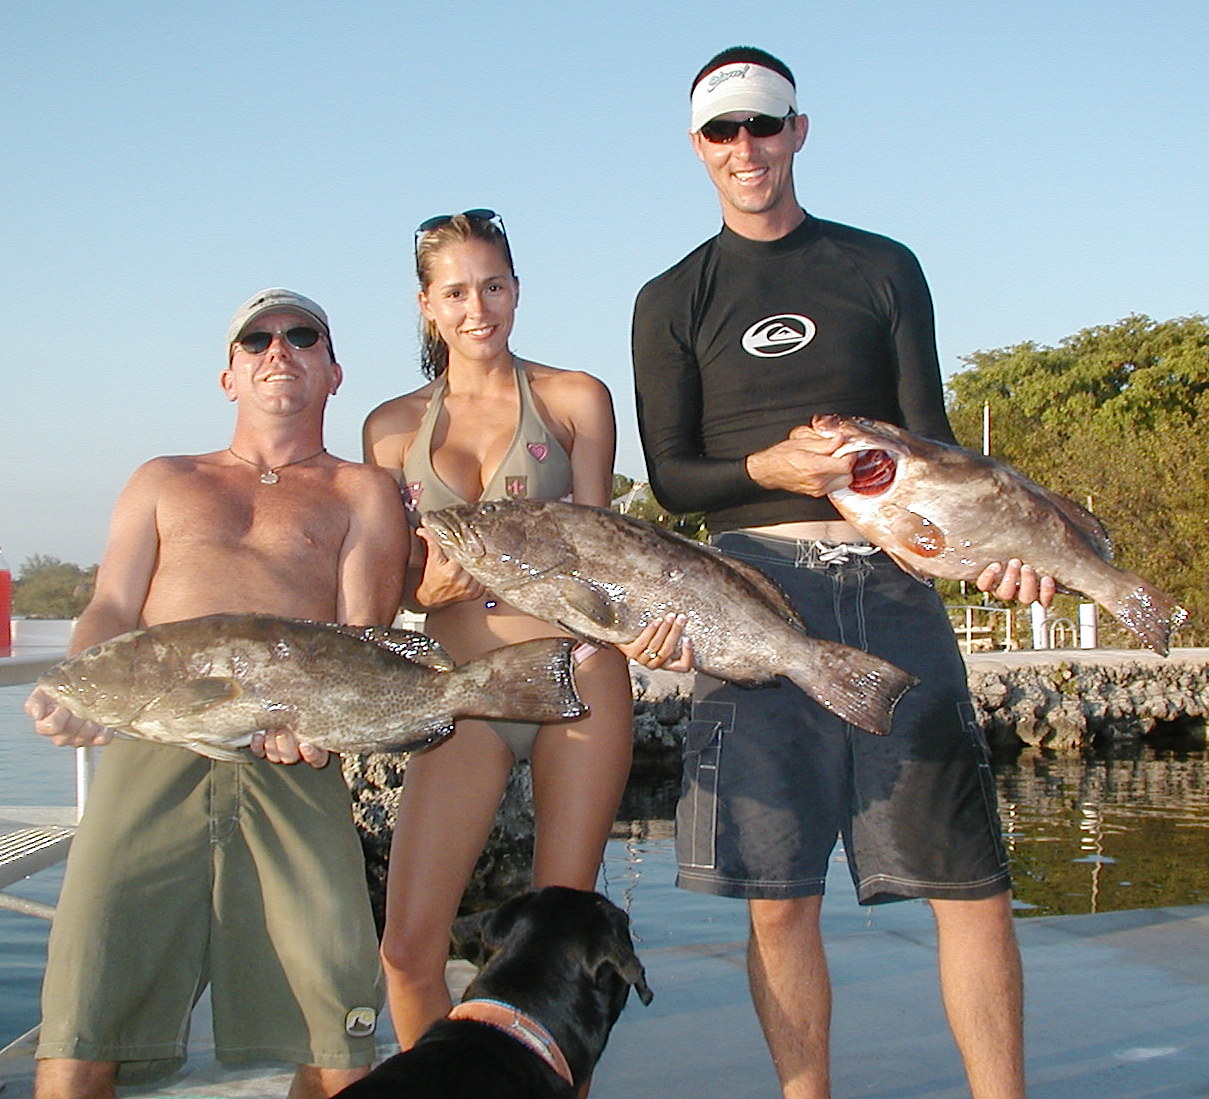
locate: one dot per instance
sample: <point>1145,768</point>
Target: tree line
<point>46,587</point>
<point>1108,417</point>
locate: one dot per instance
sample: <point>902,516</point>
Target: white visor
<point>743,86</point>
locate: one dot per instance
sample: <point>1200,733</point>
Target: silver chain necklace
<point>270,476</point>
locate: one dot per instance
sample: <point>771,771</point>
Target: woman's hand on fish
<point>444,581</point>
<point>803,463</point>
<point>1017,581</point>
<point>61,726</point>
<point>282,746</point>
<point>662,644</point>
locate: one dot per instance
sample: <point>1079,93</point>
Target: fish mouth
<point>873,472</point>
<point>452,532</point>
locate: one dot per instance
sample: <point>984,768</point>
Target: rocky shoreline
<point>1060,700</point>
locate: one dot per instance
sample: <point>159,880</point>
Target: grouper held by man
<point>604,576</point>
<point>208,683</point>
<point>940,510</point>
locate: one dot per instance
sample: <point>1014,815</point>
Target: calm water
<point>1085,834</point>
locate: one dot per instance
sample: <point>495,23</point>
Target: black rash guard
<point>744,340</point>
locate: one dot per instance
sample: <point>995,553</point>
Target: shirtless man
<point>186,871</point>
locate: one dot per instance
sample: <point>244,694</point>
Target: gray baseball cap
<point>275,297</point>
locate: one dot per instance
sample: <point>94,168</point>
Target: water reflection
<point>1085,834</point>
<point>1097,834</point>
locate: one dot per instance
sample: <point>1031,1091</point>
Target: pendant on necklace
<point>269,477</point>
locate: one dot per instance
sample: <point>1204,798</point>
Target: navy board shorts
<point>771,779</point>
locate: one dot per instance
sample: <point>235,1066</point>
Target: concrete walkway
<point>1118,1008</point>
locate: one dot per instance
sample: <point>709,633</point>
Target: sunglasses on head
<point>444,219</point>
<point>722,131</point>
<point>301,337</point>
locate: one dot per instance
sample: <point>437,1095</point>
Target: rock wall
<point>1064,700</point>
<point>1070,702</point>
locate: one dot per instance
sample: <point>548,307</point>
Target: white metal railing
<point>33,842</point>
<point>980,627</point>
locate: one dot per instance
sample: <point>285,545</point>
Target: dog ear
<point>477,936</point>
<point>466,938</point>
<point>620,954</point>
<point>634,975</point>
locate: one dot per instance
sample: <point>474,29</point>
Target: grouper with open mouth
<point>941,510</point>
<point>208,683</point>
<point>604,576</point>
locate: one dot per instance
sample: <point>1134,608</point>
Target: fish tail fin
<point>526,681</point>
<point>1148,613</point>
<point>860,688</point>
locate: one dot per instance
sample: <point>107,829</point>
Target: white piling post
<point>1089,631</point>
<point>1040,635</point>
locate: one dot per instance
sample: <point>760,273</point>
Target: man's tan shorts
<point>184,872</point>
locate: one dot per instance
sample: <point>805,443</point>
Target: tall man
<point>778,318</point>
<point>246,876</point>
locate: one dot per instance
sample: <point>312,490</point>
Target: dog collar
<point>524,1028</point>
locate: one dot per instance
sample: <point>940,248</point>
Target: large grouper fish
<point>604,576</point>
<point>208,683</point>
<point>943,511</point>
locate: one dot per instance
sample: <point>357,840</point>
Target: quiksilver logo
<point>780,335</point>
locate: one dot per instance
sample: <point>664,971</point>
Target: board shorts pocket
<point>697,812</point>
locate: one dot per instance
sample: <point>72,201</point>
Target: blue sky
<point>1045,160</point>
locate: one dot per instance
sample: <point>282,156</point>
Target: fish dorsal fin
<point>1081,519</point>
<point>763,583</point>
<point>588,599</point>
<point>419,648</point>
<point>194,696</point>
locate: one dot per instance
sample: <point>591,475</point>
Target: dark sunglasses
<point>444,219</point>
<point>256,343</point>
<point>722,131</point>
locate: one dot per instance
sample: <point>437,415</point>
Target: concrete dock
<point>1118,1008</point>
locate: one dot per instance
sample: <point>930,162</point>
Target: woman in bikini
<point>490,425</point>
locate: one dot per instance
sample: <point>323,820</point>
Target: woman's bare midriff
<point>468,629</point>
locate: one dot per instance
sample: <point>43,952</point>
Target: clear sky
<point>1047,161</point>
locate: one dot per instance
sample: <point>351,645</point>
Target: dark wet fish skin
<point>208,683</point>
<point>604,576</point>
<point>943,511</point>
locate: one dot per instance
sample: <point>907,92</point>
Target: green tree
<point>639,502</point>
<point>1109,418</point>
<point>49,588</point>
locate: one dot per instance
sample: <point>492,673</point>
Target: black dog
<point>557,966</point>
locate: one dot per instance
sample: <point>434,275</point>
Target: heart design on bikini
<point>539,451</point>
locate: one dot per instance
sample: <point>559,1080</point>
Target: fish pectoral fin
<point>194,696</point>
<point>918,533</point>
<point>588,600</point>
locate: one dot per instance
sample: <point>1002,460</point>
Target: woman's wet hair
<point>459,229</point>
